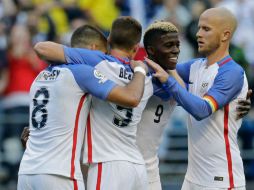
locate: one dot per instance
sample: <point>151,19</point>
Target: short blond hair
<point>156,29</point>
<point>162,26</point>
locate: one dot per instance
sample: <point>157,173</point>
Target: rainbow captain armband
<point>212,102</point>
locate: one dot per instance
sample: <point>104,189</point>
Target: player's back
<point>58,112</point>
<point>111,132</point>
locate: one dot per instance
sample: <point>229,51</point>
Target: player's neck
<point>216,56</point>
<point>120,53</point>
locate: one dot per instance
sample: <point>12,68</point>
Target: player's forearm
<point>50,51</point>
<point>194,105</point>
<point>177,77</point>
<point>131,94</point>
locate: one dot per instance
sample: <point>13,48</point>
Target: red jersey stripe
<point>98,185</point>
<point>75,134</point>
<point>75,184</point>
<point>224,62</point>
<point>228,152</point>
<point>122,60</point>
<point>89,140</point>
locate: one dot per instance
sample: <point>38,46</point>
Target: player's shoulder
<point>121,61</point>
<point>103,55</point>
<point>197,62</point>
<point>70,66</point>
<point>229,66</point>
<point>80,70</point>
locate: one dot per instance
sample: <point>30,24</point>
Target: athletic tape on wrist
<point>140,69</point>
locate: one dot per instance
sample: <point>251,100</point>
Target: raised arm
<point>131,94</point>
<point>50,51</point>
<point>224,89</point>
<point>94,82</point>
<point>175,74</point>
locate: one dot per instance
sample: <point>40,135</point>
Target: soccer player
<point>58,113</point>
<point>110,144</point>
<point>162,44</point>
<point>216,83</point>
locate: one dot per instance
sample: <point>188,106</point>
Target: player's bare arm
<point>24,136</point>
<point>50,51</point>
<point>174,74</point>
<point>131,94</point>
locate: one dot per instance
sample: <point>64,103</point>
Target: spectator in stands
<point>23,67</point>
<point>99,9</point>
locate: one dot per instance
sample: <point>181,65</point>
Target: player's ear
<point>136,48</point>
<point>109,39</point>
<point>150,50</point>
<point>94,47</point>
<point>226,35</point>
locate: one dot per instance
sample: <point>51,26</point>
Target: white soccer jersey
<point>111,129</point>
<point>213,155</point>
<point>58,114</point>
<point>111,132</point>
<point>154,120</point>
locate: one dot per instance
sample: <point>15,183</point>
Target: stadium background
<point>25,22</point>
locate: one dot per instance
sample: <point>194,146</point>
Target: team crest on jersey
<point>204,87</point>
<point>100,76</point>
<point>48,76</point>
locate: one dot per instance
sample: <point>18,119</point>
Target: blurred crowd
<point>25,22</point>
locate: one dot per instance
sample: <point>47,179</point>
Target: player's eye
<point>206,29</point>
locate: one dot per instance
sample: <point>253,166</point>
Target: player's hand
<point>160,73</point>
<point>138,64</point>
<point>244,106</point>
<point>24,136</point>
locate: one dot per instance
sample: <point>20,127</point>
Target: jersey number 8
<point>40,113</point>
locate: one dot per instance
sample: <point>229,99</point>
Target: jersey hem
<point>212,185</point>
<point>110,160</point>
<point>78,178</point>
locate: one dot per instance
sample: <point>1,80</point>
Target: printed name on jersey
<point>125,74</point>
<point>48,75</point>
<point>100,76</point>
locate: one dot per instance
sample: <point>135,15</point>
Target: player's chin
<point>171,66</point>
<point>202,51</point>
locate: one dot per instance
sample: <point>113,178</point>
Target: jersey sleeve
<point>92,81</point>
<point>227,85</point>
<point>183,69</point>
<point>224,89</point>
<point>159,91</point>
<point>196,106</point>
<point>83,56</point>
